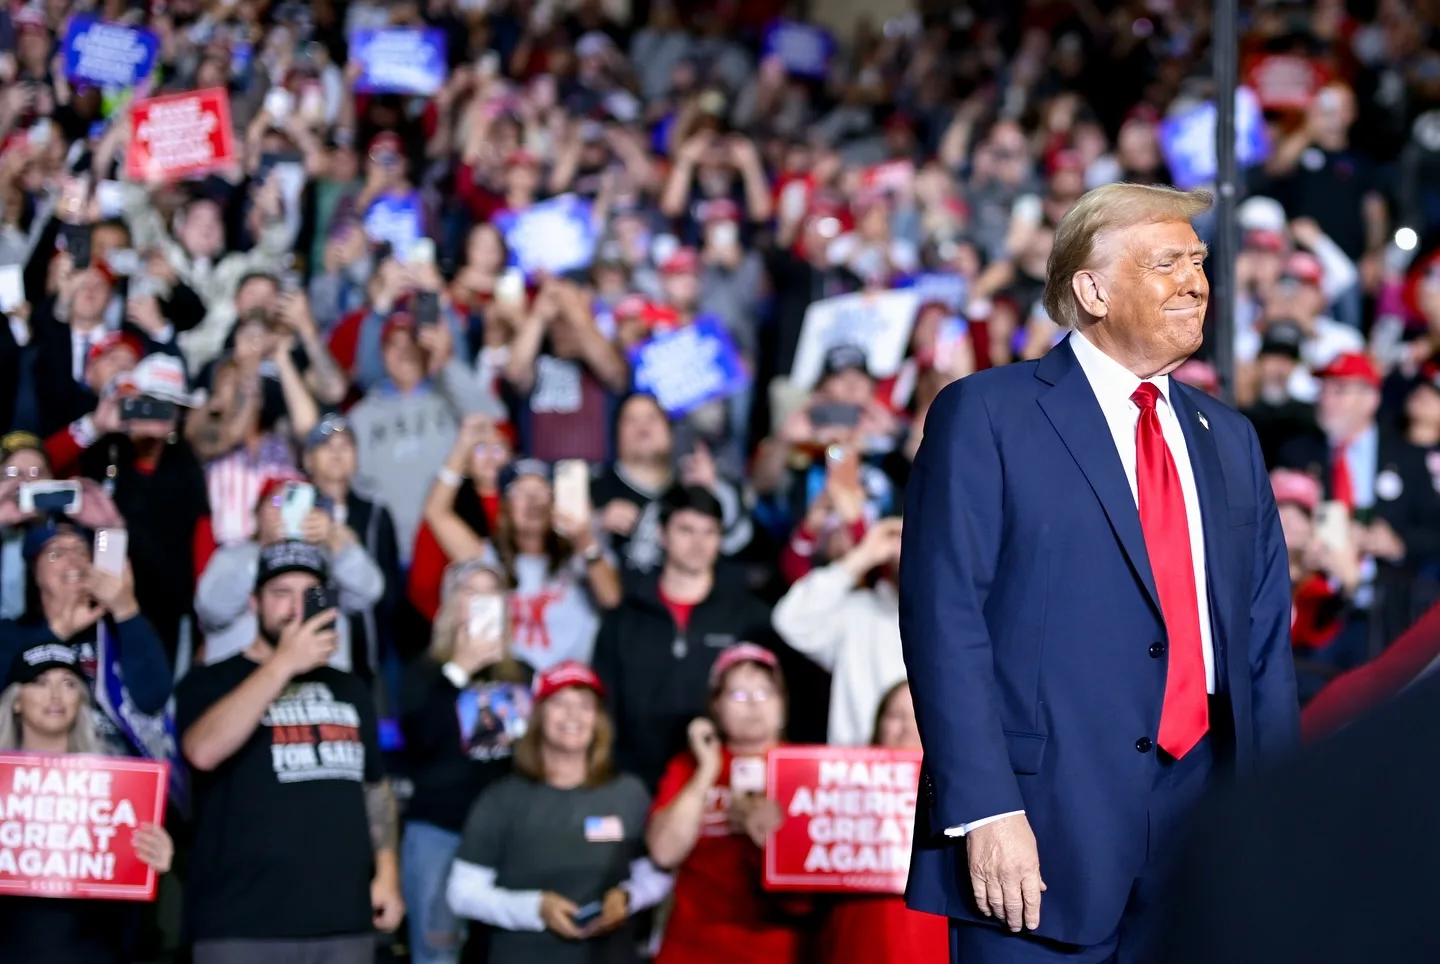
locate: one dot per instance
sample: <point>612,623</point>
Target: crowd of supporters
<point>455,622</point>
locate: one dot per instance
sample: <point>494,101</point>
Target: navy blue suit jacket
<point>1029,615</point>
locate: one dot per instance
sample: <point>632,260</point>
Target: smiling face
<point>48,707</point>
<point>1150,294</point>
<point>567,720</point>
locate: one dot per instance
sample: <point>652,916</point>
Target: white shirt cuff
<point>965,828</point>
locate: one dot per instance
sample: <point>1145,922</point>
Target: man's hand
<point>619,517</point>
<point>144,313</point>
<point>318,528</point>
<point>293,310</point>
<point>558,914</point>
<point>1005,871</point>
<point>308,645</point>
<point>1381,541</point>
<point>386,902</point>
<point>438,344</point>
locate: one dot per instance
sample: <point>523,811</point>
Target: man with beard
<point>295,839</point>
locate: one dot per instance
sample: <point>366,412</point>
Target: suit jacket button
<point>1144,744</point>
<point>1157,650</point>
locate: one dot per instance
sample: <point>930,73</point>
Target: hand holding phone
<point>296,501</point>
<point>49,498</point>
<point>588,914</point>
<point>317,601</point>
<point>111,547</point>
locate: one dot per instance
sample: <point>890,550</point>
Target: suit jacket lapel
<point>1075,413</point>
<point>1210,487</point>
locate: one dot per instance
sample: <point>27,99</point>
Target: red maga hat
<point>1352,365</point>
<point>570,673</point>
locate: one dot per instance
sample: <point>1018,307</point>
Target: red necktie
<point>1185,715</point>
<point>1342,486</point>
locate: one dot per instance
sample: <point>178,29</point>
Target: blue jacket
<point>1029,618</point>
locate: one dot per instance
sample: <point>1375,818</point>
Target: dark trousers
<point>1179,785</point>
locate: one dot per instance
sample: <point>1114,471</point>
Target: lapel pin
<point>1203,423</point>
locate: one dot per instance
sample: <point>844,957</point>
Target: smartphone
<point>317,600</point>
<point>77,243</point>
<point>747,774</point>
<point>584,916</point>
<point>487,616</point>
<point>143,408</point>
<point>421,252</point>
<point>295,504</point>
<point>837,414</point>
<point>510,289</point>
<point>1332,526</point>
<point>1028,209</point>
<point>426,308</point>
<point>572,488</point>
<point>49,498</point>
<point>111,546</point>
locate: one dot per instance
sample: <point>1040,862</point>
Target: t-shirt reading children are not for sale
<point>282,841</point>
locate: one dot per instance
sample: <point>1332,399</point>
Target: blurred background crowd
<point>333,361</point>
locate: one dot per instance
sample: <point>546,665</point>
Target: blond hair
<point>1111,207</point>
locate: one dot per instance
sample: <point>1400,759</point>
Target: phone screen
<point>427,308</point>
<point>1332,526</point>
<point>572,488</point>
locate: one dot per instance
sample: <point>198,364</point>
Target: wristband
<point>448,476</point>
<point>593,554</point>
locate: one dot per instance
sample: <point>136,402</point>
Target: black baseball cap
<point>844,358</point>
<point>1282,338</point>
<point>32,663</point>
<point>280,558</point>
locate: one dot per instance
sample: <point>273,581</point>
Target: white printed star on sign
<point>1203,423</point>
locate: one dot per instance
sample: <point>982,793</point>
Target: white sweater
<point>854,633</point>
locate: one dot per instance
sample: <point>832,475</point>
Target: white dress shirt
<point>1113,384</point>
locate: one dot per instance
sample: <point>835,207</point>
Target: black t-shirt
<point>46,930</point>
<point>282,841</point>
<point>458,742</point>
<point>1330,187</point>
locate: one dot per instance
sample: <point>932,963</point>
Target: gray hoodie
<point>222,599</point>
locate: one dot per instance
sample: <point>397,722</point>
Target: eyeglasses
<point>22,472</point>
<point>494,451</point>
<point>66,552</point>
<point>748,696</point>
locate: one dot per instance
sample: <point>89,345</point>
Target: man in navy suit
<point>1094,604</point>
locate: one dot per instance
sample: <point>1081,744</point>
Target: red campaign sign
<point>849,818</point>
<point>180,135</point>
<point>1285,81</point>
<point>66,823</point>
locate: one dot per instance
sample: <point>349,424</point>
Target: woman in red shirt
<point>711,818</point>
<point>881,929</point>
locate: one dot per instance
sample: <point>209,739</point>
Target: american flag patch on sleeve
<point>604,830</point>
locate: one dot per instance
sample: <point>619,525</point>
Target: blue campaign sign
<point>398,219</point>
<point>553,236</point>
<point>110,55</point>
<point>948,288</point>
<point>399,60</point>
<point>689,366</point>
<point>805,50</point>
<point>1188,140</point>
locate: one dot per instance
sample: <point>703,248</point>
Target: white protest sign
<point>877,322</point>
